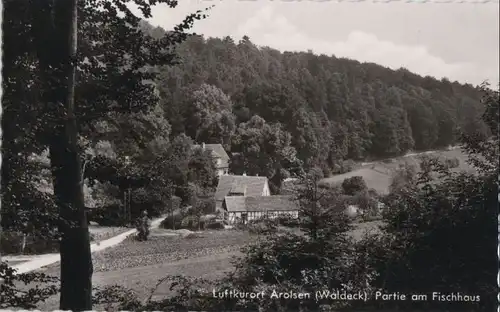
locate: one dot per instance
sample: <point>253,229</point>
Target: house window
<point>244,217</point>
<point>219,161</point>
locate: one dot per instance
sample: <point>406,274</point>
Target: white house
<point>240,185</point>
<point>247,208</point>
<point>352,211</point>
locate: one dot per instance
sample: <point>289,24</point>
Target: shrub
<point>353,185</point>
<point>111,215</point>
<point>342,167</point>
<point>326,171</point>
<point>452,163</point>
<point>288,221</point>
<point>262,225</point>
<point>207,220</point>
<point>11,295</point>
<point>365,202</point>
<point>172,222</point>
<point>240,226</point>
<point>116,298</point>
<point>190,223</point>
<point>147,200</point>
<point>217,225</point>
<point>345,166</point>
<point>205,205</point>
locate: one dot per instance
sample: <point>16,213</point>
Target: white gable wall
<point>266,191</point>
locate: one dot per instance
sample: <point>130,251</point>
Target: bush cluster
<point>12,243</point>
<point>190,222</point>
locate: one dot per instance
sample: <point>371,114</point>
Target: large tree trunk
<point>1,164</point>
<point>57,50</point>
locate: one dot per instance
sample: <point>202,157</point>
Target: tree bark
<point>56,35</point>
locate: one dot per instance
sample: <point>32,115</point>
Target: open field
<point>378,175</point>
<point>162,247</point>
<point>139,265</point>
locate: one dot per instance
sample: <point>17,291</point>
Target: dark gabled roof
<point>217,150</point>
<point>252,185</point>
<point>260,203</point>
<point>238,189</point>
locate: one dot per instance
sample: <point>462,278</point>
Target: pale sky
<point>459,41</point>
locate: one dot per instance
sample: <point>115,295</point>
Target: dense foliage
<point>438,226</point>
<point>116,105</point>
<point>353,185</point>
<point>331,108</point>
<point>15,292</point>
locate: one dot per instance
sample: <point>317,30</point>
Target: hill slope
<point>378,175</point>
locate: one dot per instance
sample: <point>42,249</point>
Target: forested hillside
<point>328,109</point>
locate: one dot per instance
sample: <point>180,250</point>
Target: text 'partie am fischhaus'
<point>342,295</point>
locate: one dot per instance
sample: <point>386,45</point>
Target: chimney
<point>203,145</point>
<point>244,174</point>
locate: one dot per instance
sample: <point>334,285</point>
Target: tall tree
<point>56,46</point>
<point>264,149</point>
<point>208,117</point>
